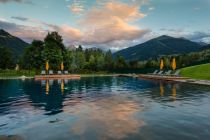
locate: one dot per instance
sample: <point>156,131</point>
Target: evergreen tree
<point>108,61</point>
<point>6,61</point>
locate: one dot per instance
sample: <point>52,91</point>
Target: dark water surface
<point>100,108</point>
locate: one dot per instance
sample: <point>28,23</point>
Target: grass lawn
<point>13,73</point>
<point>197,72</point>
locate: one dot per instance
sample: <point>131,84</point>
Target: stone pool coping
<point>56,77</point>
<point>175,79</point>
<point>144,76</point>
<point>167,78</point>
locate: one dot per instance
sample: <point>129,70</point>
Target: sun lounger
<point>50,72</point>
<point>43,72</point>
<point>66,72</point>
<point>168,72</point>
<point>155,72</point>
<point>59,72</point>
<point>176,73</point>
<point>160,73</point>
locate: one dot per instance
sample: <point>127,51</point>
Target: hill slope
<point>15,44</point>
<point>206,47</point>
<point>163,45</point>
<point>197,72</point>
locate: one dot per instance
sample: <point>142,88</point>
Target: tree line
<point>82,60</point>
<point>79,60</point>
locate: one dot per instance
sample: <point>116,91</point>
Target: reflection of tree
<point>47,87</point>
<point>62,86</point>
<point>161,89</point>
<point>46,96</point>
<point>113,115</point>
<point>173,91</point>
<point>50,96</point>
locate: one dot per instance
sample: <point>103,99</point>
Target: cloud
<point>196,8</point>
<point>29,33</point>
<point>6,1</point>
<point>196,36</point>
<point>199,36</point>
<point>20,18</point>
<point>121,123</point>
<point>111,23</point>
<point>77,7</point>
<point>17,1</point>
<point>151,8</point>
<point>71,35</point>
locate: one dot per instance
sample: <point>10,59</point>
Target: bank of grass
<point>14,74</point>
<point>197,72</point>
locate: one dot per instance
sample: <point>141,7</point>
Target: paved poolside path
<point>167,78</point>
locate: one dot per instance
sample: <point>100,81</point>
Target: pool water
<point>100,108</point>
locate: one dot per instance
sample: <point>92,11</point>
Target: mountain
<point>163,45</point>
<point>15,44</point>
<point>71,47</point>
<point>202,43</point>
<point>207,47</point>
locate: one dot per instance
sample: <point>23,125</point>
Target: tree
<point>6,61</point>
<point>133,64</point>
<point>54,41</point>
<point>92,63</point>
<point>33,57</point>
<point>54,49</point>
<point>80,49</point>
<point>100,62</point>
<point>120,62</point>
<point>108,61</point>
<point>80,60</point>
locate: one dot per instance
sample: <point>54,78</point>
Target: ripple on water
<point>105,108</point>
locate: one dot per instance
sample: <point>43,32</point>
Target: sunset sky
<point>110,24</point>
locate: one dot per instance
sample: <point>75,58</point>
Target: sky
<point>106,24</point>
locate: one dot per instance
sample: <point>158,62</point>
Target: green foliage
<point>6,61</point>
<point>108,61</point>
<point>52,49</point>
<point>120,63</point>
<point>14,73</point>
<point>33,56</point>
<point>54,41</point>
<point>94,60</point>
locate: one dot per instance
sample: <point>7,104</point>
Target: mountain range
<point>154,48</point>
<point>15,44</point>
<point>163,45</point>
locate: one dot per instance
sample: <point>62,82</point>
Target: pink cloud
<point>111,23</point>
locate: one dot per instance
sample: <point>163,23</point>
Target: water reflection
<point>12,137</point>
<point>171,86</point>
<point>114,117</point>
<point>104,108</point>
<point>47,87</point>
<point>173,91</point>
<point>62,86</point>
<point>161,89</point>
<point>49,83</point>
